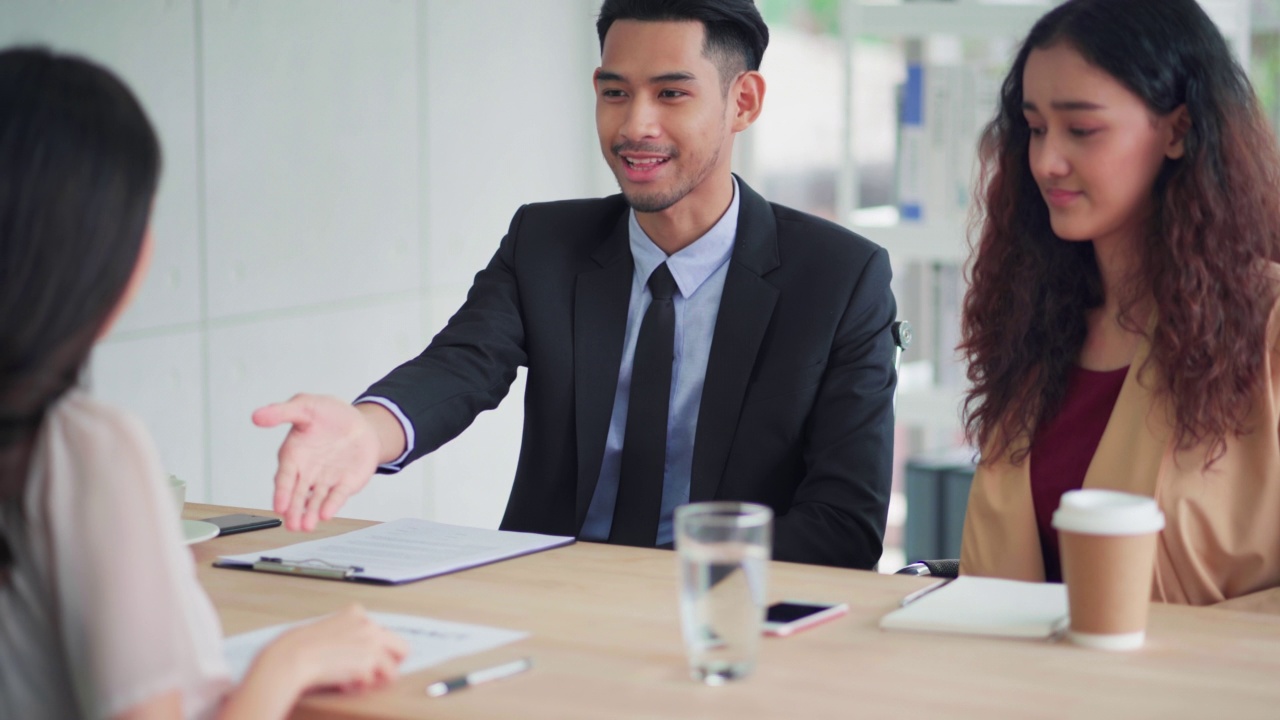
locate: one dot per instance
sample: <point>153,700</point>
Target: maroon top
<point>1064,447</point>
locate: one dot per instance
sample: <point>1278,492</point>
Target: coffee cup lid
<point>1107,512</point>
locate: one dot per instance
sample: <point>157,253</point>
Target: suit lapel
<point>1000,531</point>
<point>746,308</point>
<point>1137,445</point>
<point>1136,441</point>
<point>600,301</point>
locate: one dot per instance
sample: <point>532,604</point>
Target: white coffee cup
<point>1108,543</point>
<point>178,487</point>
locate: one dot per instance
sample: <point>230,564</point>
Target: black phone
<point>242,522</point>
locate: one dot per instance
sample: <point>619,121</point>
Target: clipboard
<point>395,552</point>
<point>311,567</point>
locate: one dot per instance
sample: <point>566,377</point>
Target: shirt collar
<point>694,264</point>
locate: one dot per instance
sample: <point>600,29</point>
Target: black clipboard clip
<point>311,567</point>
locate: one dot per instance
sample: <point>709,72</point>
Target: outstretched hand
<point>329,455</point>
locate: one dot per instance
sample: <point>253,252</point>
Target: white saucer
<point>198,531</point>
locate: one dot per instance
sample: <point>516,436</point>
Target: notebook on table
<point>985,606</point>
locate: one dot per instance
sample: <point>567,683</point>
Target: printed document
<point>403,550</point>
<point>431,641</point>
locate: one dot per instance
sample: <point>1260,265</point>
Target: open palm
<point>329,454</point>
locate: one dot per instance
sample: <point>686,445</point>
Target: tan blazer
<point>1222,526</point>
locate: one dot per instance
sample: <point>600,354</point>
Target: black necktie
<point>644,444</point>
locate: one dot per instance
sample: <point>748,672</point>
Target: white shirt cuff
<point>405,425</point>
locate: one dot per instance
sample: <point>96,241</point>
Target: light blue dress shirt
<point>699,271</point>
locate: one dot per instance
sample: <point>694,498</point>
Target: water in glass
<point>722,597</point>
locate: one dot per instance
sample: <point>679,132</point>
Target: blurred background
<point>336,171</point>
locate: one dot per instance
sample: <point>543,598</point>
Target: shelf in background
<point>968,19</point>
<point>933,407</point>
<point>918,241</point>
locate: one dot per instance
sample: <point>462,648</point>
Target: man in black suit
<point>685,340</point>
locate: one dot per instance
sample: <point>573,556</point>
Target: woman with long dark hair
<point>1121,326</point>
<point>101,615</point>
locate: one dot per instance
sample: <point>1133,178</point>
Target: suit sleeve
<point>837,516</point>
<point>470,365</point>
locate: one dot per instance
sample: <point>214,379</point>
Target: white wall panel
<point>337,353</point>
<point>311,112</point>
<point>359,155</point>
<point>158,379</point>
<point>151,45</point>
<point>509,120</point>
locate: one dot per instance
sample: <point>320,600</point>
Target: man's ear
<point>1180,123</point>
<point>747,99</point>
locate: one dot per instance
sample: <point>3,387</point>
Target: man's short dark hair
<point>736,35</point>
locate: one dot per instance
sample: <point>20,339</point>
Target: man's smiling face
<point>661,111</point>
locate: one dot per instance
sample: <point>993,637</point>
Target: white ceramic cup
<point>178,487</point>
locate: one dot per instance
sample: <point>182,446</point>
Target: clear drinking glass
<point>724,552</point>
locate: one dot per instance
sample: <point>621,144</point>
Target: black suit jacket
<point>797,404</point>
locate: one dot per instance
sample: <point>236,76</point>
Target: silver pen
<point>444,687</point>
<point>923,591</point>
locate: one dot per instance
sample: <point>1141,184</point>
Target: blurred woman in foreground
<point>101,615</point>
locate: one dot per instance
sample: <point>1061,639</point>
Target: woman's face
<point>1095,148</point>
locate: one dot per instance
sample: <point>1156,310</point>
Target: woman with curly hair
<point>101,614</point>
<point>1121,327</point>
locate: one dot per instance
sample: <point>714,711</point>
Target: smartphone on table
<point>242,522</point>
<point>791,616</point>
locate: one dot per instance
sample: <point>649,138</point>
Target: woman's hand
<point>346,651</point>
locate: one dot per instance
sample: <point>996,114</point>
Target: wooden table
<point>605,639</point>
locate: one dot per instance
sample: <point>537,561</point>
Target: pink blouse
<point>102,610</point>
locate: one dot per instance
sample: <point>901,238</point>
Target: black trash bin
<point>937,495</point>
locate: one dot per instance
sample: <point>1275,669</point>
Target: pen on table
<point>444,687</point>
<point>923,591</point>
<point>1060,628</point>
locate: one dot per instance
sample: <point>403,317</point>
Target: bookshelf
<point>942,17</point>
<point>925,242</point>
<point>937,241</point>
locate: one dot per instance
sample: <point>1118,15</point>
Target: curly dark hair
<point>1203,262</point>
